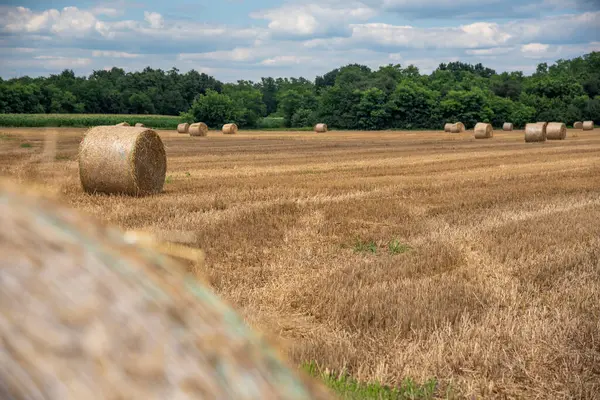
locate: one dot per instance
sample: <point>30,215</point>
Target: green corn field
<point>87,120</point>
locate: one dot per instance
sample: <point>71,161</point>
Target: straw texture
<point>447,127</point>
<point>183,128</point>
<point>507,126</point>
<point>556,131</point>
<point>86,314</point>
<point>458,127</point>
<point>198,129</point>
<point>483,131</point>
<point>535,132</point>
<point>122,160</point>
<point>321,128</point>
<point>230,129</point>
<point>140,125</point>
<point>588,125</point>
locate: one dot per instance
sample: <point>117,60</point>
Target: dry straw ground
<point>388,255</point>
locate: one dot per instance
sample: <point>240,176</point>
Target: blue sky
<point>242,39</point>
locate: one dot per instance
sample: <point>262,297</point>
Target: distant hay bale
<point>588,126</point>
<point>556,131</point>
<point>507,126</point>
<point>120,160</point>
<point>458,127</point>
<point>140,125</point>
<point>447,127</point>
<point>90,312</point>
<point>198,129</point>
<point>123,124</point>
<point>183,128</point>
<point>321,128</point>
<point>483,131</point>
<point>535,132</point>
<point>578,125</point>
<point>230,129</point>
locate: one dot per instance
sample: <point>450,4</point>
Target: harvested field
<point>385,254</point>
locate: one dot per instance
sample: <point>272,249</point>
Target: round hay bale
<point>578,125</point>
<point>115,159</point>
<point>556,131</point>
<point>85,313</point>
<point>321,128</point>
<point>508,126</point>
<point>483,131</point>
<point>198,129</point>
<point>140,125</point>
<point>183,128</point>
<point>588,126</point>
<point>535,132</point>
<point>447,127</point>
<point>458,127</point>
<point>230,129</point>
<point>123,124</point>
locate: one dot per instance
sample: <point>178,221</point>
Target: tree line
<point>350,97</point>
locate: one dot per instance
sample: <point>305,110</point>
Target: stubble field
<point>383,254</point>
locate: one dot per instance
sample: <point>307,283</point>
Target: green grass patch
<point>347,387</point>
<point>397,247</point>
<point>365,247</point>
<point>87,120</point>
<point>271,123</point>
<point>169,179</point>
<point>26,145</point>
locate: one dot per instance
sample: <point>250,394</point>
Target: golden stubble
<point>498,295</point>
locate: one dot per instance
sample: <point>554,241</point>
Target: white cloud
<point>312,18</point>
<point>285,60</point>
<point>237,54</point>
<point>494,51</point>
<point>481,34</point>
<point>534,48</point>
<point>59,62</point>
<point>155,20</point>
<point>108,11</point>
<point>71,21</point>
<point>113,54</point>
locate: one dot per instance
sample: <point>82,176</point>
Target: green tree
<point>371,111</point>
<point>213,108</point>
<point>140,103</point>
<point>249,107</point>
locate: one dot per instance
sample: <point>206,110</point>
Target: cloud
<point>284,60</point>
<point>59,62</point>
<point>494,51</point>
<point>312,19</point>
<point>72,27</point>
<point>108,11</point>
<point>113,54</point>
<point>155,20</point>
<point>470,9</point>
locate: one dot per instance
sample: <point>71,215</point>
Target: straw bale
<point>321,128</point>
<point>556,131</point>
<point>230,129</point>
<point>483,131</point>
<point>183,128</point>
<point>122,160</point>
<point>87,314</point>
<point>535,132</point>
<point>198,129</point>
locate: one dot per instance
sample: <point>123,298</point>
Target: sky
<point>243,39</point>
